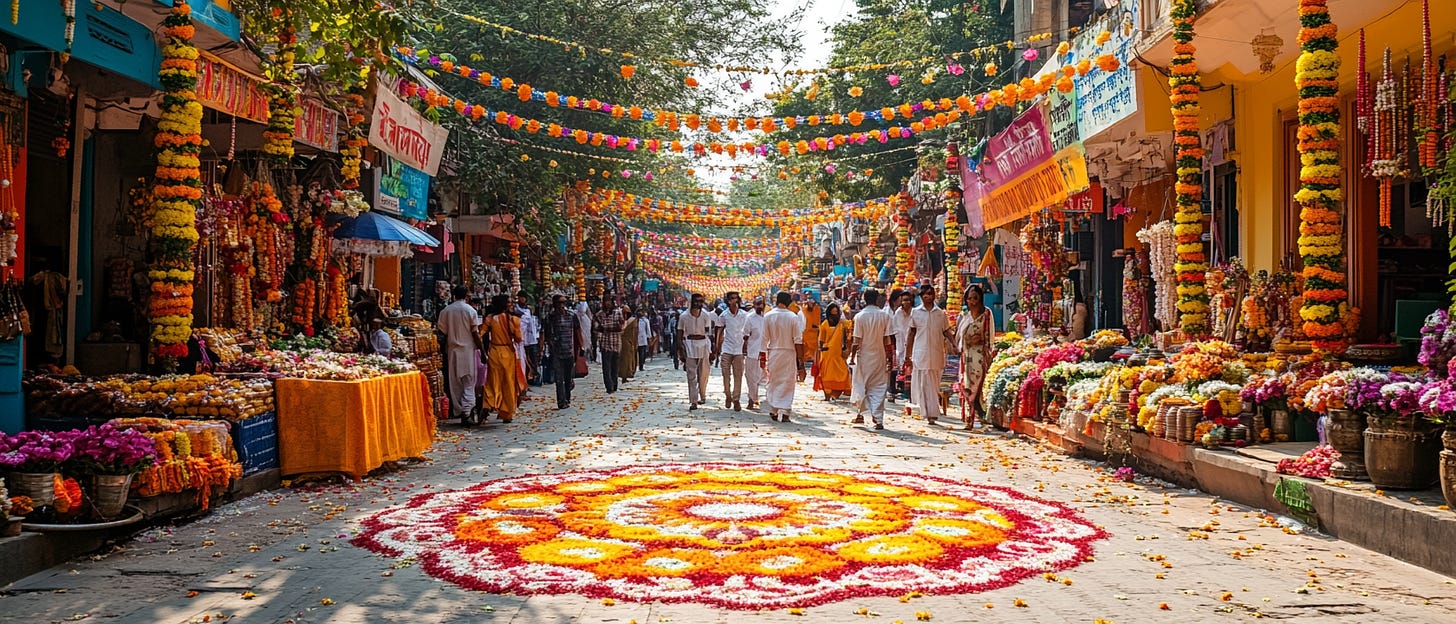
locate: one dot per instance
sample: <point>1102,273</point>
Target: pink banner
<point>971,199</point>
<point>1018,149</point>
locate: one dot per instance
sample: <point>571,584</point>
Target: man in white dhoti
<point>900,304</point>
<point>870,379</point>
<point>461,326</point>
<point>783,338</point>
<point>753,366</point>
<point>929,331</point>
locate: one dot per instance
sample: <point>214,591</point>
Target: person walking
<point>584,316</point>
<point>811,315</point>
<point>670,336</point>
<point>753,353</point>
<point>732,339</point>
<point>694,332</point>
<point>974,335</point>
<point>530,338</point>
<point>832,367</point>
<point>873,357</point>
<point>500,333</point>
<point>645,336</point>
<point>463,351</point>
<point>627,365</point>
<point>563,344</point>
<point>900,304</point>
<point>783,338</point>
<point>929,332</point>
<point>608,326</point>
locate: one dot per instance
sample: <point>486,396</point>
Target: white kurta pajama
<point>698,351</point>
<point>459,322</point>
<point>870,380</point>
<point>782,330</point>
<point>753,372</point>
<point>927,359</point>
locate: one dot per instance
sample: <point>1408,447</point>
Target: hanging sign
<point>403,133</point>
<point>404,190</point>
<point>1022,147</point>
<point>225,89</point>
<point>1088,201</point>
<point>972,190</point>
<point>318,126</point>
<point>1100,99</point>
<point>1042,187</point>
<point>1073,163</point>
<point>1062,113</point>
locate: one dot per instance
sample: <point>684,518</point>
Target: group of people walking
<point>890,347</point>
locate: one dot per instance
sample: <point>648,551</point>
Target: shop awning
<point>376,226</point>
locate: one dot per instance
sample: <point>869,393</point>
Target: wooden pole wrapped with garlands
<point>1185,90</point>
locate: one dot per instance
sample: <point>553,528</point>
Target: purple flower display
<point>107,450</point>
<point>1438,343</point>
<point>36,451</point>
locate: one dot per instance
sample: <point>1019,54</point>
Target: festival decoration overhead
<point>693,279</point>
<point>603,202</point>
<point>1185,89</point>
<point>740,258</point>
<point>177,192</point>
<point>1317,74</point>
<point>704,242</point>
<point>736,536</point>
<point>974,54</point>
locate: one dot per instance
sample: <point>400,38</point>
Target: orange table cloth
<point>352,427</point>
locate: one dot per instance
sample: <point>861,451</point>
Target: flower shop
<point>240,258</point>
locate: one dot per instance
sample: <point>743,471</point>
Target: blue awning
<point>376,226</point>
<point>210,14</point>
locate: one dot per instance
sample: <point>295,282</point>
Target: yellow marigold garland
<point>1188,219</point>
<point>1321,245</point>
<point>282,94</point>
<point>177,191</point>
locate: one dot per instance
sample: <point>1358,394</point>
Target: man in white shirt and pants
<point>732,335</point>
<point>753,368</point>
<point>899,305</point>
<point>872,357</point>
<point>461,326</point>
<point>783,338</point>
<point>695,334</point>
<point>929,331</point>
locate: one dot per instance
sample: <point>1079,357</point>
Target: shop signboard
<point>404,190</point>
<point>1042,187</point>
<point>1098,99</point>
<point>318,126</point>
<point>224,88</point>
<point>402,132</point>
<point>1021,148</point>
<point>103,37</point>
<point>1073,162</point>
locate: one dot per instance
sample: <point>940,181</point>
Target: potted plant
<point>109,457</point>
<point>32,459</point>
<point>1401,448</point>
<point>1438,405</point>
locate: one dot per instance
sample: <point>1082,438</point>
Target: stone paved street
<point>285,555</point>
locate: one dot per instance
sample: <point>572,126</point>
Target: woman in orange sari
<point>499,333</point>
<point>833,369</point>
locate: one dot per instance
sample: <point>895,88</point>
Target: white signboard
<point>1101,98</point>
<point>403,133</point>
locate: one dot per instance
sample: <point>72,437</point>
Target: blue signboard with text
<point>406,190</point>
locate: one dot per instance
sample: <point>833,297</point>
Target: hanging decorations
<point>693,278</point>
<point>629,206</point>
<point>178,189</point>
<point>953,295</point>
<point>1188,217</point>
<point>9,210</point>
<point>1162,250</point>
<point>1387,156</point>
<point>282,93</point>
<point>1325,310</point>
<point>1429,101</point>
<point>68,8</point>
<point>356,136</point>
<point>904,265</point>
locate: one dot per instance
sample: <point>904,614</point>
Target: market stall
<point>352,427</point>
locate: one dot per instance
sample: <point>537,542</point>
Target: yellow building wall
<point>1263,101</point>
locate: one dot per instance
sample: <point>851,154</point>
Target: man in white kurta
<point>695,328</point>
<point>753,369</point>
<point>461,326</point>
<point>929,331</point>
<point>872,358</point>
<point>783,339</point>
<point>899,306</point>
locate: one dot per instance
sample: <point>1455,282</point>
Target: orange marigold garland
<point>1188,219</point>
<point>1321,244</point>
<point>173,222</point>
<point>282,93</point>
<point>357,135</point>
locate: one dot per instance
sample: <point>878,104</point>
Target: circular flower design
<point>740,536</point>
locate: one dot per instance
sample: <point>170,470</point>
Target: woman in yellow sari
<point>627,369</point>
<point>811,326</point>
<point>834,334</point>
<point>499,333</point>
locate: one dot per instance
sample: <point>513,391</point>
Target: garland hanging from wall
<point>1188,218</point>
<point>1325,309</point>
<point>178,191</point>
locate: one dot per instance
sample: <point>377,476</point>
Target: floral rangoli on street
<point>741,536</point>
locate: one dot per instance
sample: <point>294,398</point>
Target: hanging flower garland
<point>1321,247</point>
<point>1188,217</point>
<point>68,7</point>
<point>357,135</point>
<point>953,295</point>
<point>693,279</point>
<point>904,266</point>
<point>282,93</point>
<point>178,190</point>
<point>628,206</point>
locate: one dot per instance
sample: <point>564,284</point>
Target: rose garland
<point>178,190</point>
<point>282,94</point>
<point>1188,217</point>
<point>1320,243</point>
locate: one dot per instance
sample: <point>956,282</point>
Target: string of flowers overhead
<point>177,192</point>
<point>695,281</point>
<point>628,206</point>
<point>1188,217</point>
<point>1321,247</point>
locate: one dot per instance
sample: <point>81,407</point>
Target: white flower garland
<point>1162,254</point>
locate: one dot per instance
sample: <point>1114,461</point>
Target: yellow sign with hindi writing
<point>1042,187</point>
<point>1072,160</point>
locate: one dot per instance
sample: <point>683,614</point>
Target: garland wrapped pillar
<point>1185,87</point>
<point>903,265</point>
<point>1321,242</point>
<point>177,192</point>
